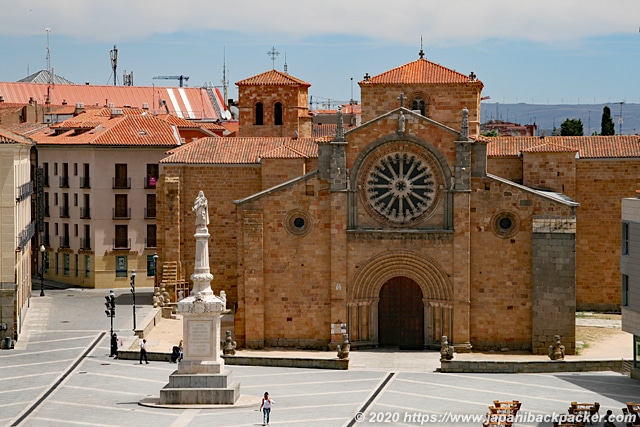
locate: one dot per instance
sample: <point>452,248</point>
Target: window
<point>151,266</point>
<point>55,199</point>
<point>419,104</point>
<point>75,230</point>
<point>87,266</point>
<point>121,266</point>
<point>77,265</point>
<point>625,238</point>
<point>45,166</point>
<point>75,199</point>
<point>151,235</point>
<point>121,210</point>
<point>150,210</point>
<point>259,114</point>
<point>55,169</point>
<point>84,179</point>
<point>57,263</point>
<point>152,175</point>
<point>277,114</point>
<point>121,180</point>
<point>66,260</point>
<point>122,237</point>
<point>625,290</point>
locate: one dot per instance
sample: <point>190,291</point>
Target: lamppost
<point>133,292</point>
<point>155,269</point>
<point>43,252</point>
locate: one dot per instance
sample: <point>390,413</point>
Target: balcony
<point>24,191</point>
<point>85,243</point>
<point>46,211</point>
<point>149,213</point>
<point>85,213</point>
<point>119,213</point>
<point>64,211</point>
<point>122,243</point>
<point>121,183</point>
<point>64,241</point>
<point>150,181</point>
<point>85,182</point>
<point>45,240</point>
<point>45,182</point>
<point>64,182</point>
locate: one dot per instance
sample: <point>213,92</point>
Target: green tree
<point>491,132</point>
<point>572,127</point>
<point>608,128</point>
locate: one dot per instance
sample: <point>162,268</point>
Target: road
<point>60,374</point>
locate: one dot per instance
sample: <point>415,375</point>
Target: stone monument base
<point>200,384</point>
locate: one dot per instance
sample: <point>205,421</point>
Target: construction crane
<point>181,78</point>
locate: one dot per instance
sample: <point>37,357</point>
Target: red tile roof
<point>617,146</point>
<point>419,71</point>
<point>124,130</point>
<point>272,78</point>
<point>9,137</point>
<point>242,150</point>
<point>187,102</point>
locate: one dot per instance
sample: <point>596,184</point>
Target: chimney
<point>79,108</point>
<point>116,112</point>
<point>1,98</point>
<point>145,105</point>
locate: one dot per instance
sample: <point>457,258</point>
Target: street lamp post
<point>133,292</point>
<point>43,252</point>
<point>155,269</point>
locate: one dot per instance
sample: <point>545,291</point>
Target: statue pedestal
<point>201,377</point>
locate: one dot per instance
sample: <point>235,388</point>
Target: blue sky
<point>543,51</point>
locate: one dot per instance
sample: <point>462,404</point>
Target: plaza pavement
<point>60,373</point>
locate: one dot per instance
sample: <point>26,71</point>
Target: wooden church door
<point>401,314</point>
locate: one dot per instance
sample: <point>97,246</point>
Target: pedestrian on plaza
<point>143,351</point>
<point>114,346</point>
<point>607,419</point>
<point>265,407</point>
<point>181,347</point>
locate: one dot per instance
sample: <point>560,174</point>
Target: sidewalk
<point>618,345</point>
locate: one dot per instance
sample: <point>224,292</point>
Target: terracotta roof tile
<point>242,150</point>
<point>272,78</point>
<point>125,130</point>
<point>9,137</point>
<point>419,71</point>
<point>616,146</point>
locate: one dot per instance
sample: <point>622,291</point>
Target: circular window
<point>400,185</point>
<point>505,224</point>
<point>298,222</point>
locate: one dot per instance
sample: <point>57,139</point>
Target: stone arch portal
<point>409,274</point>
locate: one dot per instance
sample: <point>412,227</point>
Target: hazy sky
<point>540,51</point>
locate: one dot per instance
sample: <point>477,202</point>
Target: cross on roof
<point>273,53</point>
<point>401,98</point>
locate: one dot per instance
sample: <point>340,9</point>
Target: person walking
<point>265,407</point>
<point>143,351</point>
<point>114,345</point>
<point>607,419</point>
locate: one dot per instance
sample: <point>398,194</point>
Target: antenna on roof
<point>285,63</point>
<point>225,82</point>
<point>48,30</point>
<point>114,63</point>
<point>273,53</point>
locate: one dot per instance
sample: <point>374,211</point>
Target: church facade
<point>393,232</point>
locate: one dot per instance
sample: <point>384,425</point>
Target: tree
<point>608,128</point>
<point>572,127</point>
<point>491,132</point>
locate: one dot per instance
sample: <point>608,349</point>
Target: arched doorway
<point>401,314</point>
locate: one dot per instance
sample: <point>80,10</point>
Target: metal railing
<point>121,182</point>
<point>122,243</point>
<point>64,211</point>
<point>85,182</point>
<point>122,213</point>
<point>85,213</point>
<point>64,182</point>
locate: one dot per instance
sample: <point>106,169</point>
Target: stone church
<point>393,232</point>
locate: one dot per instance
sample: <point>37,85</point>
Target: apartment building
<point>99,199</point>
<point>17,229</point>
<point>630,269</point>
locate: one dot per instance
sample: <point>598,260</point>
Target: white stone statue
<point>201,207</point>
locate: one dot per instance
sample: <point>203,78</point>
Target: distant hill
<point>549,116</point>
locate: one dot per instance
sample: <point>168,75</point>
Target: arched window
<point>418,104</point>
<point>277,114</point>
<point>259,114</point>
